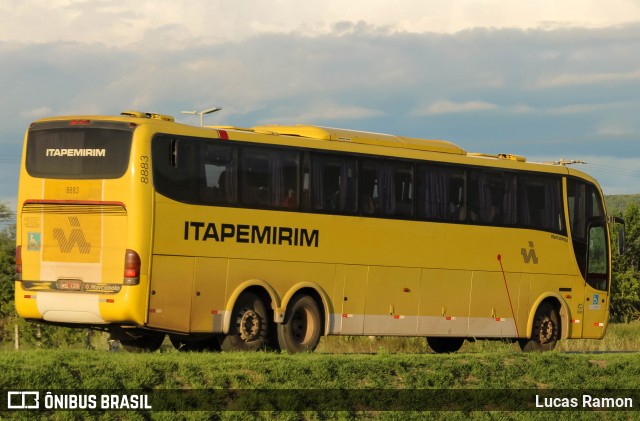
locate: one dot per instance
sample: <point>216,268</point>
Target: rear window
<point>78,153</point>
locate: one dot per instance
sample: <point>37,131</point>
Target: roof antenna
<point>202,113</point>
<point>565,162</point>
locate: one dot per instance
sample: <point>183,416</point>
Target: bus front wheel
<point>545,332</point>
<point>249,325</point>
<point>444,345</point>
<point>301,330</point>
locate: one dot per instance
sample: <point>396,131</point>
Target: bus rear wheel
<point>249,325</point>
<point>545,332</point>
<point>301,331</point>
<point>185,343</point>
<point>444,345</point>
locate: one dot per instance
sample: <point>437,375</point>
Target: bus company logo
<point>529,256</point>
<point>77,152</point>
<point>76,237</point>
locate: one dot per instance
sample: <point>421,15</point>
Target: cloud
<point>448,107</point>
<point>115,23</point>
<point>488,90</point>
<point>590,79</point>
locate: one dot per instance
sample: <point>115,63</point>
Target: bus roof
<point>337,135</point>
<point>355,136</point>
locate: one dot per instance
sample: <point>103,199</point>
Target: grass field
<point>394,378</point>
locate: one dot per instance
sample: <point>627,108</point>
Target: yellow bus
<point>273,236</point>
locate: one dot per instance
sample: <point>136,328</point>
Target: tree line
<point>625,289</point>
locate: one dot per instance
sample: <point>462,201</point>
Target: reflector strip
<point>347,316</point>
<point>30,297</point>
<point>398,317</point>
<point>214,312</point>
<point>449,318</point>
<point>107,300</point>
<point>597,324</point>
<point>155,310</point>
<point>500,319</point>
<point>576,321</point>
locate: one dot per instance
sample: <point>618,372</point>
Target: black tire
<point>249,325</point>
<point>545,332</point>
<point>141,341</point>
<point>444,345</point>
<point>185,343</point>
<point>302,327</point>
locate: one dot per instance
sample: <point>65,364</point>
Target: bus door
<point>596,280</point>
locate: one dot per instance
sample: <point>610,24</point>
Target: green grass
<point>380,366</point>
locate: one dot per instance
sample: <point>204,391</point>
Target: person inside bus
<point>368,205</point>
<point>290,201</point>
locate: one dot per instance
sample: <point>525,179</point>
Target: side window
<point>269,178</point>
<point>175,173</point>
<point>386,188</point>
<point>330,184</point>
<point>492,197</point>
<point>219,172</point>
<point>585,204</point>
<point>195,171</point>
<point>441,194</point>
<point>540,203</point>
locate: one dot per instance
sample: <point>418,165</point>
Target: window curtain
<point>436,193</point>
<point>347,191</point>
<point>552,199</point>
<point>510,202</point>
<point>231,178</point>
<point>277,193</point>
<point>317,183</point>
<point>386,189</point>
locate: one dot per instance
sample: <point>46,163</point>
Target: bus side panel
<point>490,314</point>
<point>444,307</point>
<point>595,313</point>
<point>171,292</point>
<point>208,297</point>
<point>353,300</point>
<point>392,299</point>
<point>576,305</point>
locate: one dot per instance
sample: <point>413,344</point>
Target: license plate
<point>70,285</point>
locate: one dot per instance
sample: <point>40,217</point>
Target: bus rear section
<point>73,263</point>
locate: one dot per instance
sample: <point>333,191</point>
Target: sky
<point>549,80</point>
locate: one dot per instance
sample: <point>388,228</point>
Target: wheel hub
<point>547,331</point>
<point>250,326</point>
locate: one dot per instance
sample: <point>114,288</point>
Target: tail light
<point>19,263</point>
<point>131,268</point>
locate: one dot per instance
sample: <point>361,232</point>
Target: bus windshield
<point>78,152</point>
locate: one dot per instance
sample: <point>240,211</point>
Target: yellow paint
<point>367,271</point>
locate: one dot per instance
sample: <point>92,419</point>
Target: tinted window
<point>330,184</point>
<point>195,170</point>
<point>269,178</point>
<point>441,193</point>
<point>540,203</point>
<point>386,188</point>
<point>492,197</point>
<point>585,206</point>
<point>78,153</point>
